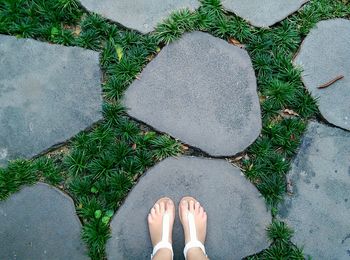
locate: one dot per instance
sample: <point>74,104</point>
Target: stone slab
<point>324,55</point>
<point>39,223</point>
<point>319,208</point>
<point>48,93</point>
<point>201,90</point>
<point>237,215</point>
<point>139,15</point>
<point>263,13</point>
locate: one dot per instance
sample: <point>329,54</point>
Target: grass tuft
<point>174,26</point>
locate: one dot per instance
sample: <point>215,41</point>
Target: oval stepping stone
<point>263,13</point>
<point>324,55</point>
<point>140,15</point>
<point>319,207</point>
<point>237,214</point>
<point>39,222</point>
<point>48,93</point>
<point>201,90</point>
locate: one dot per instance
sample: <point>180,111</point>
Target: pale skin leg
<point>155,224</point>
<point>200,216</point>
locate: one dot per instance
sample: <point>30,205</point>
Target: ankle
<point>163,253</point>
<point>195,253</point>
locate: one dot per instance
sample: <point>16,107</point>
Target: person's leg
<point>189,204</point>
<point>155,224</point>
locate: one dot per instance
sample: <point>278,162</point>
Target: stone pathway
<point>319,207</point>
<point>143,16</point>
<point>324,55</point>
<point>263,13</point>
<point>48,93</point>
<point>39,222</point>
<point>237,220</point>
<point>201,90</point>
<point>139,15</point>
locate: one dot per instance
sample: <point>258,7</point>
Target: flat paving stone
<point>319,208</point>
<point>140,15</point>
<point>324,55</point>
<point>202,91</point>
<point>263,13</point>
<point>237,215</point>
<point>48,93</point>
<point>39,222</point>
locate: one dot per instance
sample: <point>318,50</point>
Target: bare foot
<point>189,204</point>
<point>155,225</point>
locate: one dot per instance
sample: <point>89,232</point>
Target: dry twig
<point>331,82</point>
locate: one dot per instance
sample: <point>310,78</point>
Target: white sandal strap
<point>164,243</point>
<point>161,245</point>
<point>194,242</point>
<point>192,225</point>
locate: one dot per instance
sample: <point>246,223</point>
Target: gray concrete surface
<point>201,90</point>
<point>237,215</point>
<point>48,93</point>
<point>140,15</point>
<point>263,13</point>
<point>319,208</point>
<point>324,55</point>
<point>39,223</point>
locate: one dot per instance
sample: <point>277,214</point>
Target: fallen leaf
<point>237,158</point>
<point>150,57</point>
<point>233,41</point>
<point>262,98</point>
<point>290,112</point>
<point>77,30</point>
<point>119,51</point>
<point>184,147</point>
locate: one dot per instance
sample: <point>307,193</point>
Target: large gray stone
<point>319,207</point>
<point>324,55</point>
<point>39,222</point>
<point>263,13</point>
<point>48,93</point>
<point>201,90</point>
<point>237,215</point>
<point>140,15</point>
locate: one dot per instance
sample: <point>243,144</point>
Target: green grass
<point>98,168</point>
<point>281,248</point>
